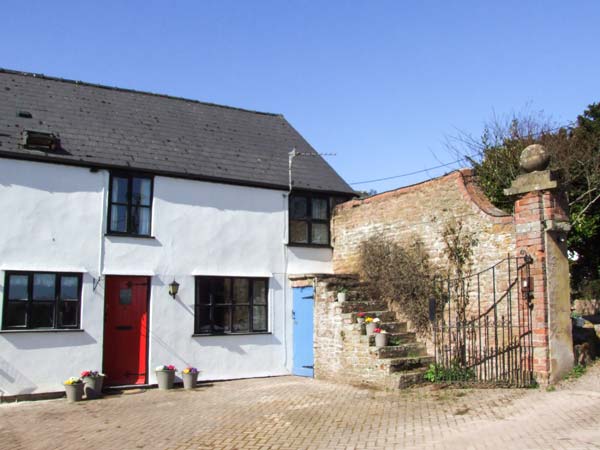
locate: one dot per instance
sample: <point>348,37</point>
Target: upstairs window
<point>130,205</point>
<point>309,219</point>
<point>41,300</point>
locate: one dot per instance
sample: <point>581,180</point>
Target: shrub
<point>401,275</point>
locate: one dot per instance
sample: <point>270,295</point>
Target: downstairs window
<point>229,305</point>
<point>35,300</point>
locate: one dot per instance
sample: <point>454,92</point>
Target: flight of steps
<point>402,363</point>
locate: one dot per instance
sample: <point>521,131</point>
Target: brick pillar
<point>541,225</point>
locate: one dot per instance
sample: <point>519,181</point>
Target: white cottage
<point>142,229</point>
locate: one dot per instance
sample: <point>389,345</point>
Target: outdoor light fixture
<point>173,288</point>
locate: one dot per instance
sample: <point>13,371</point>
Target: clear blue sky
<point>379,83</point>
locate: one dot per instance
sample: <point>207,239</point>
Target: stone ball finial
<point>535,157</point>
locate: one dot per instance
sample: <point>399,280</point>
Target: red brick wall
<point>422,210</point>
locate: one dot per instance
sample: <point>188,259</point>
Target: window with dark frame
<point>130,204</point>
<point>34,300</point>
<point>309,219</point>
<point>230,305</point>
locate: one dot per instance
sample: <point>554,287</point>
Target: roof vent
<point>39,140</point>
<point>24,114</point>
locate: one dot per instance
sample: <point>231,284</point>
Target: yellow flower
<point>368,320</point>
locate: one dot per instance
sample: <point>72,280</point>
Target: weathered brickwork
<point>422,211</point>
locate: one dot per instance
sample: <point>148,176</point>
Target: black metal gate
<point>482,326</point>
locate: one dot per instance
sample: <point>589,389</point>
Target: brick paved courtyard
<point>297,413</point>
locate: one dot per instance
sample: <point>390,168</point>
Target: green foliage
<point>576,372</point>
<point>575,153</point>
<point>437,373</point>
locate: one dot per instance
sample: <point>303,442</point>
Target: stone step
<point>415,349</point>
<point>394,327</point>
<point>397,338</point>
<point>363,306</point>
<point>383,316</point>
<point>407,363</point>
<point>403,380</point>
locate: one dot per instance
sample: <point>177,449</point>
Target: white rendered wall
<point>58,217</point>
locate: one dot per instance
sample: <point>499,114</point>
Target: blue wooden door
<point>303,331</point>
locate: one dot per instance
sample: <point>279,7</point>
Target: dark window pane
<point>68,314</point>
<point>320,233</point>
<point>125,296</point>
<point>319,208</point>
<point>240,290</point>
<point>16,314</point>
<point>202,291</point>
<point>260,292</point>
<point>259,318</point>
<point>240,319</point>
<point>217,290</point>
<point>298,232</point>
<point>221,319</point>
<point>69,288</point>
<point>42,315</point>
<point>118,218</point>
<point>44,286</point>
<point>203,320</point>
<point>140,191</point>
<point>120,190</point>
<point>140,220</point>
<point>298,207</point>
<point>18,287</point>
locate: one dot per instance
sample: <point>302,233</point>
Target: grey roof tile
<point>108,126</point>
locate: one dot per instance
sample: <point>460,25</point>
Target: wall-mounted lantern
<point>173,288</point>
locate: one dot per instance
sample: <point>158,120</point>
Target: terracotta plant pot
<point>341,297</point>
<point>381,339</point>
<point>165,379</point>
<point>190,380</point>
<point>92,387</point>
<point>369,328</point>
<point>74,392</point>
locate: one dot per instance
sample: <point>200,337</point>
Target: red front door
<point>125,330</point>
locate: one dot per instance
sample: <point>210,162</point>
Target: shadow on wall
<point>52,339</point>
<point>9,375</point>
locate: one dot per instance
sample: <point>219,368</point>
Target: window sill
<point>43,330</point>
<point>127,235</point>
<point>329,246</point>
<point>230,334</point>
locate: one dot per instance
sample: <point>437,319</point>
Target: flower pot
<point>74,392</point>
<point>341,297</point>
<point>381,339</point>
<point>360,320</point>
<point>370,327</point>
<point>165,379</point>
<point>92,386</point>
<point>190,380</point>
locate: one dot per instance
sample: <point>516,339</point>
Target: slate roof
<point>102,126</point>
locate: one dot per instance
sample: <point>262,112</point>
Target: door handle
<point>293,315</point>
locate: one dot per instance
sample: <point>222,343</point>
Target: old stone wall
<point>422,211</point>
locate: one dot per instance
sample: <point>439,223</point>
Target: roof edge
<point>164,173</point>
<point>132,91</point>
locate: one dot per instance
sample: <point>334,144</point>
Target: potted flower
<point>190,377</point>
<point>92,383</point>
<point>341,295</point>
<point>360,318</point>
<point>74,389</point>
<point>381,337</point>
<point>165,376</point>
<point>371,324</point>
